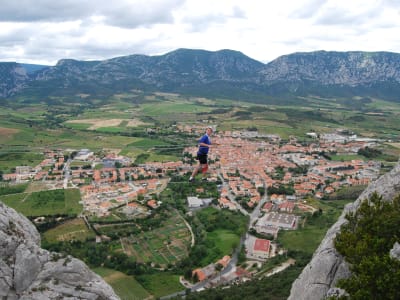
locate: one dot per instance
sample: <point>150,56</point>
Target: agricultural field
<point>162,246</point>
<point>72,230</point>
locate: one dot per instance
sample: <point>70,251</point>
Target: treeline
<point>100,255</point>
<point>51,221</point>
<point>7,189</point>
<point>369,152</point>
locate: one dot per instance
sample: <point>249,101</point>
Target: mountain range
<point>223,74</point>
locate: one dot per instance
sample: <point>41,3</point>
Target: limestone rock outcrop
<point>30,272</point>
<point>327,266</point>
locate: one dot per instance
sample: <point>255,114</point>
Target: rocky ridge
<point>223,73</point>
<point>29,272</point>
<point>319,277</point>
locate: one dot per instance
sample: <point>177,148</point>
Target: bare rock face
<point>29,272</point>
<point>327,266</point>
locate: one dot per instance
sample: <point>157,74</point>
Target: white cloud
<point>45,31</point>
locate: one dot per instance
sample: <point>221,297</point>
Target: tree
<point>365,242</point>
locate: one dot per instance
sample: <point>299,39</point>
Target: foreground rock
<point>29,272</point>
<point>327,265</point>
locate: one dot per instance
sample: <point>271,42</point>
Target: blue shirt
<point>202,149</point>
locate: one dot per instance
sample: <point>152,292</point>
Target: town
<point>258,175</point>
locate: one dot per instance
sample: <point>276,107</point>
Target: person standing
<point>202,154</point>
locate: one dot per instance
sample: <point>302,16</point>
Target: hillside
<point>223,74</point>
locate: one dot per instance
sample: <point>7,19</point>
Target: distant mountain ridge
<point>224,73</point>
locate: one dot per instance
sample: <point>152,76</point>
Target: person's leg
<point>195,171</point>
<point>204,169</point>
<point>202,164</point>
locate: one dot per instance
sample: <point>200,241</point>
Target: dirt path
<point>281,267</point>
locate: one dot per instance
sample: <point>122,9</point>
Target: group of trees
<point>102,254</point>
<point>286,189</point>
<point>6,189</point>
<point>369,152</point>
<point>365,242</point>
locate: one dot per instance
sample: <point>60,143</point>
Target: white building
<point>281,220</point>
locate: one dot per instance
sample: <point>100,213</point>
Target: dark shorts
<point>202,158</point>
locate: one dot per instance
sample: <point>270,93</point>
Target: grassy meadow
<point>43,203</point>
<point>126,287</point>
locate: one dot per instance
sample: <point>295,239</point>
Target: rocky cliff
<point>13,77</point>
<point>319,277</point>
<point>29,272</point>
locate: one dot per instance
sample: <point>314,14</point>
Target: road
<point>66,172</point>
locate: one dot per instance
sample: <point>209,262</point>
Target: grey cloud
<point>18,36</point>
<point>141,14</point>
<point>338,16</point>
<point>44,10</point>
<point>120,13</point>
<point>65,47</point>
<point>202,22</point>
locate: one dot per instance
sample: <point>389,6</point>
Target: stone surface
<point>395,251</point>
<point>327,265</point>
<point>29,272</point>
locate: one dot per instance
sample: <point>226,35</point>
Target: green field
<point>126,287</point>
<point>224,240</point>
<point>44,203</point>
<point>161,284</point>
<point>347,157</point>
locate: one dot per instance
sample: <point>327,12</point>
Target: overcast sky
<point>45,31</point>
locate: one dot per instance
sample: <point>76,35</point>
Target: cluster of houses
<point>248,164</point>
